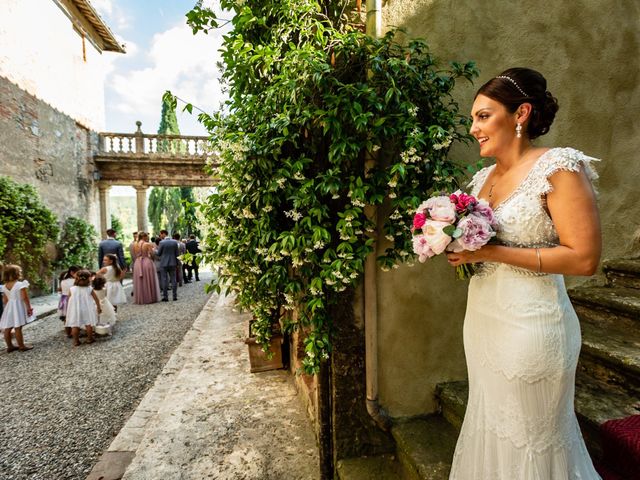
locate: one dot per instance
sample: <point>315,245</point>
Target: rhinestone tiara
<point>514,84</point>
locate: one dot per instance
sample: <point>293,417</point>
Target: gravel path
<point>62,407</point>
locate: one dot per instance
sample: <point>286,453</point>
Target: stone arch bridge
<point>145,160</point>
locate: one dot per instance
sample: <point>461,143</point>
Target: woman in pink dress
<point>145,280</point>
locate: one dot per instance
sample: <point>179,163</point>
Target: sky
<point>162,54</point>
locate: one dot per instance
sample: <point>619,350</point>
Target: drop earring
<point>519,131</point>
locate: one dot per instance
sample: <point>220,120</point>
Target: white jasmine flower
<point>293,214</point>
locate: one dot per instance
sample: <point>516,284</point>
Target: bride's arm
<point>573,209</point>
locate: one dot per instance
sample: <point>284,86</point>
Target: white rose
<point>435,237</point>
<point>441,209</point>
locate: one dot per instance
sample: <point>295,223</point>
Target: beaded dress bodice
<point>523,220</point>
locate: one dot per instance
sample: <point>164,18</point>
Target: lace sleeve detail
<point>567,159</point>
<point>476,183</point>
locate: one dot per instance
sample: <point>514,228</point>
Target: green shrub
<point>26,225</point>
<point>77,245</point>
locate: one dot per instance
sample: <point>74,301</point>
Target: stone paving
<point>62,406</point>
<point>207,417</point>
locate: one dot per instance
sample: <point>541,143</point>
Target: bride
<point>521,334</point>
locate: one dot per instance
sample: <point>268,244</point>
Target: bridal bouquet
<point>452,223</point>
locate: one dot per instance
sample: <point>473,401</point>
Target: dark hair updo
<point>525,86</point>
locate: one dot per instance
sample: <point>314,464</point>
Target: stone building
<point>54,56</point>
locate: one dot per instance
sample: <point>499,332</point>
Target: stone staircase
<point>607,385</point>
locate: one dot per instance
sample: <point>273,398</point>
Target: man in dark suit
<point>192,266</point>
<point>168,252</point>
<point>111,245</point>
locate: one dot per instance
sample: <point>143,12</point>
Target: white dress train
<point>522,340</point>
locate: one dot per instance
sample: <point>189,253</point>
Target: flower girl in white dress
<point>107,319</point>
<point>17,307</point>
<point>521,334</point>
<point>83,307</point>
<point>113,274</point>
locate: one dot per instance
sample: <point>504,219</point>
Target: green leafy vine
<point>323,122</point>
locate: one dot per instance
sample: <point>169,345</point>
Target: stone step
<point>611,354</point>
<point>425,447</point>
<point>453,398</point>
<point>380,467</point>
<point>609,305</point>
<point>623,272</point>
<point>595,403</point>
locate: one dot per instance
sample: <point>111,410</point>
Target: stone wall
<point>49,150</point>
<point>354,431</point>
<point>590,58</point>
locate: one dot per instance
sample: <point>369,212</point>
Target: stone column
<point>141,204</point>
<point>105,218</point>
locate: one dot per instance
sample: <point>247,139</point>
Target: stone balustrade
<point>143,144</point>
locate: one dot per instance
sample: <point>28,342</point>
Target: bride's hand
<point>466,256</point>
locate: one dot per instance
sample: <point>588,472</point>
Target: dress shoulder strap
<point>560,159</point>
<point>476,183</point>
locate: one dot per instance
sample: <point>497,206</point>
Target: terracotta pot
<point>258,359</point>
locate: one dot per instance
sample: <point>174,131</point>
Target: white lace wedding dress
<point>522,340</point>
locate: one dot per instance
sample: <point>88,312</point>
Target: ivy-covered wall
<point>588,53</point>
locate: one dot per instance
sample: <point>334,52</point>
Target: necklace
<point>490,194</point>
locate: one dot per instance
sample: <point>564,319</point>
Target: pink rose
<point>421,248</point>
<point>418,220</point>
<point>441,209</point>
<point>435,237</point>
<point>462,201</point>
<point>476,233</point>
